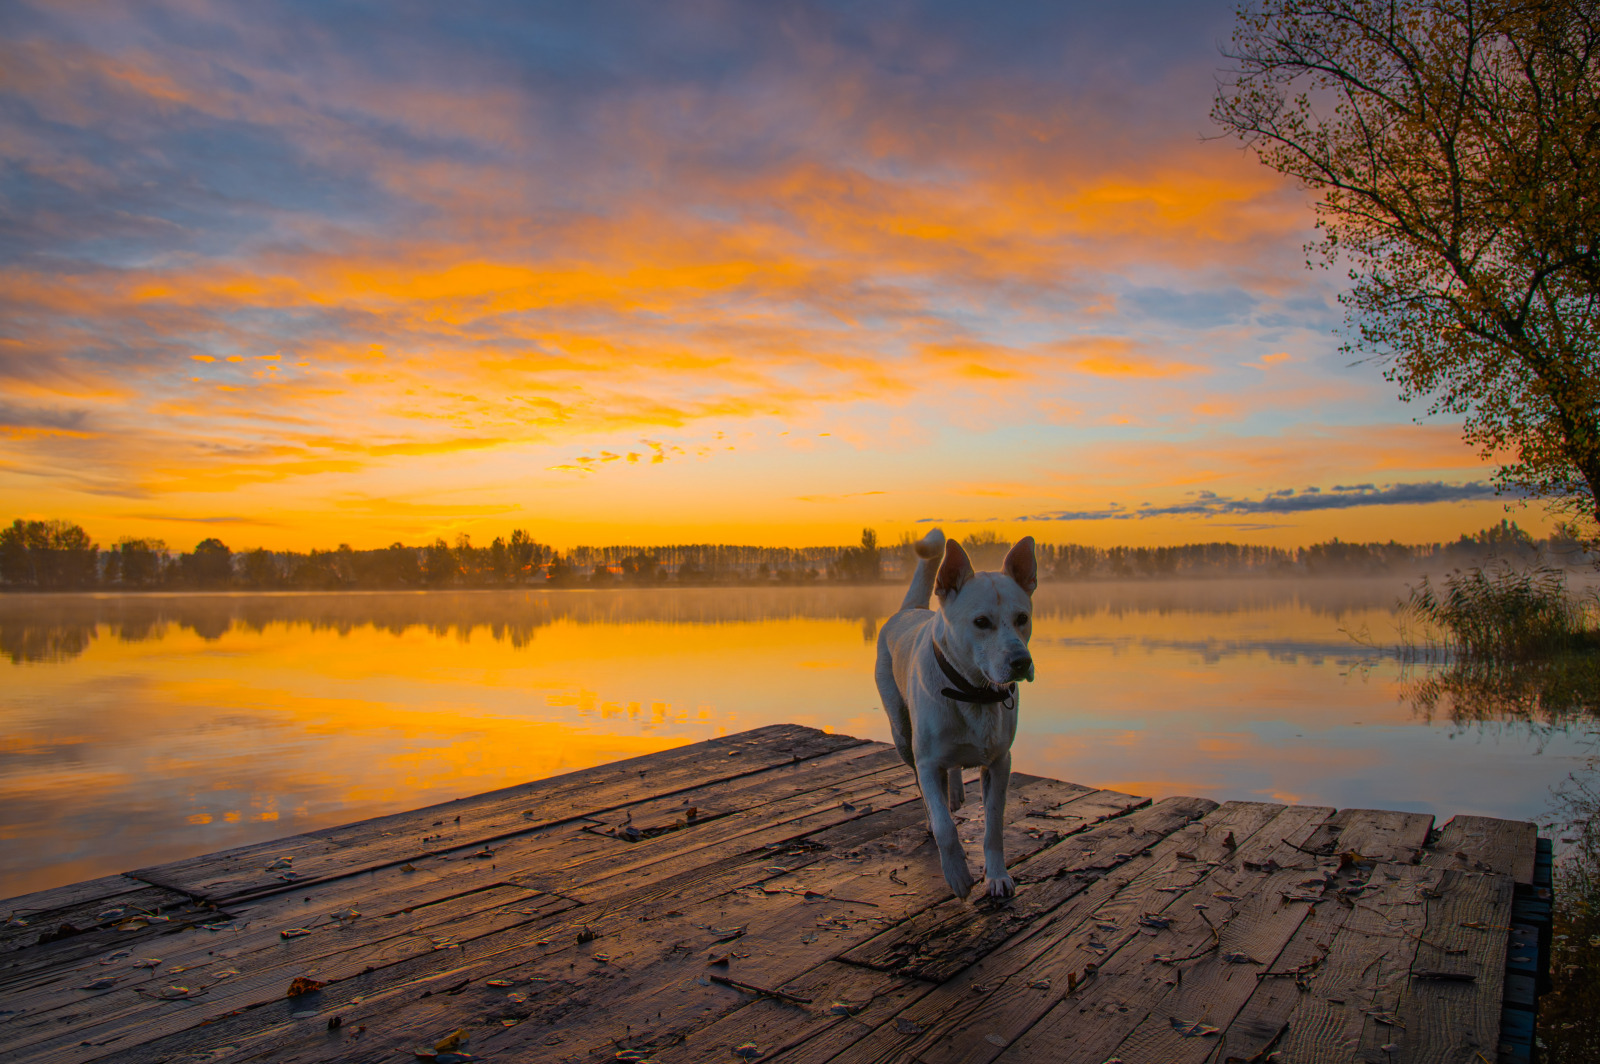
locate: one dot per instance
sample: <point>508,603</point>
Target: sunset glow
<point>663,273</point>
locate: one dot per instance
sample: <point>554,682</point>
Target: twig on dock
<point>751,989</point>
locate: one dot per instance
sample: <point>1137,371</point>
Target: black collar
<point>963,691</point>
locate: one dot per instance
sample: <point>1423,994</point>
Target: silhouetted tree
<point>211,564</point>
<point>499,561</point>
<point>16,568</point>
<point>260,569</point>
<point>140,562</point>
<point>439,565</point>
<point>1454,146</point>
<point>50,555</point>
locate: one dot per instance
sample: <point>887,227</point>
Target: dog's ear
<point>954,571</point>
<point>1021,566</point>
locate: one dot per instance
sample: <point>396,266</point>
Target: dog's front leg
<point>996,778</point>
<point>952,859</point>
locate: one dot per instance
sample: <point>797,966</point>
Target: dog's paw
<point>960,880</point>
<point>1002,886</point>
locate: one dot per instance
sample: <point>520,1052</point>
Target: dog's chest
<point>980,735</point>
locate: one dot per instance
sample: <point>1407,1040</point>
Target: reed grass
<point>1501,615</point>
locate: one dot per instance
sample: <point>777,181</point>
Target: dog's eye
<point>982,622</point>
<point>1022,619</point>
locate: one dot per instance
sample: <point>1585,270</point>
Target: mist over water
<point>136,729</point>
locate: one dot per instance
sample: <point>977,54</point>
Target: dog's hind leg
<point>955,790</point>
<point>894,706</point>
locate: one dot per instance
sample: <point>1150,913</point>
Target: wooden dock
<point>773,895</point>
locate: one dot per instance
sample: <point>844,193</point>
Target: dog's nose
<point>1022,667</point>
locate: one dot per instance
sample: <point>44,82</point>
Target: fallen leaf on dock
<point>176,993</point>
<point>294,932</point>
<point>1239,958</point>
<point>147,962</point>
<point>226,973</point>
<point>455,1038</point>
<point>280,863</point>
<point>845,1008</point>
<point>1155,920</point>
<point>103,983</point>
<point>499,982</point>
<point>1195,1029</point>
<point>408,867</point>
<point>120,955</point>
<point>345,914</point>
<point>727,934</point>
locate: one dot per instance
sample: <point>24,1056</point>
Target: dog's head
<point>988,617</point>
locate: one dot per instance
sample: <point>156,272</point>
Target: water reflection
<point>138,729</point>
<point>56,628</point>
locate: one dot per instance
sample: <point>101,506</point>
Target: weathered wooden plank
<point>937,943</point>
<point>847,1002</point>
<point>637,937</point>
<point>133,919</point>
<point>391,994</point>
<point>262,975</point>
<point>82,910</point>
<point>90,892</point>
<point>1089,859</point>
<point>1233,906</point>
<point>1261,1021</point>
<point>1485,844</point>
<point>1212,989</point>
<point>1381,834</point>
<point>990,1004</point>
<point>1350,1007</point>
<point>657,816</point>
<point>1451,1008</point>
<point>377,899</point>
<point>486,817</point>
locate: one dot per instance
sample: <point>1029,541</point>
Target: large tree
<point>1454,147</point>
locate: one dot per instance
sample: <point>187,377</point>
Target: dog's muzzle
<point>1021,667</point>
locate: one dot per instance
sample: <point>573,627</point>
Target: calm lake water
<point>140,729</point>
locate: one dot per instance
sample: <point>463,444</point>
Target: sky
<point>767,272</point>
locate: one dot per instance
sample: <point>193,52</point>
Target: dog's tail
<point>930,551</point>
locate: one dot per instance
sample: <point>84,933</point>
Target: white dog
<point>949,684</point>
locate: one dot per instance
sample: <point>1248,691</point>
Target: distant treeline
<point>60,555</point>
